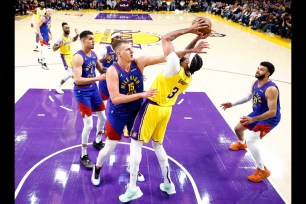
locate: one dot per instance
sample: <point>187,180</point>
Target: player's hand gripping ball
<point>207,22</point>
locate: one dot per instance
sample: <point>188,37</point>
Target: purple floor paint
<point>123,16</point>
<point>47,149</point>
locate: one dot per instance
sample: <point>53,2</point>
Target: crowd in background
<point>273,17</point>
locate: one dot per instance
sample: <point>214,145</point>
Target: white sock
<point>84,151</point>
<point>100,125</point>
<point>242,141</point>
<point>163,161</point>
<point>98,138</point>
<point>254,147</point>
<point>87,121</point>
<point>135,158</point>
<point>106,151</point>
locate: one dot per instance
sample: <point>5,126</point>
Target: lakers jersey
<point>39,13</point>
<point>169,88</point>
<point>65,48</point>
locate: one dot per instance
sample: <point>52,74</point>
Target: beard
<point>259,77</point>
<point>67,32</point>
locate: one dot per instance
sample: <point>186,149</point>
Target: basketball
<point>207,22</point>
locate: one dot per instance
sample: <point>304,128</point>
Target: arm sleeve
<point>173,65</point>
<point>243,99</point>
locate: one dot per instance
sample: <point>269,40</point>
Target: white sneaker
<point>95,176</point>
<point>130,194</point>
<point>168,188</point>
<point>59,90</point>
<point>140,176</point>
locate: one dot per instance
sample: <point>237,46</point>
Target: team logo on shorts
<point>134,134</point>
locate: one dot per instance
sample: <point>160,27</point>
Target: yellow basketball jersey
<point>168,88</point>
<point>66,48</point>
<point>39,13</point>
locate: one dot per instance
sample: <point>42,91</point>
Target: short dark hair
<point>196,64</point>
<point>269,65</point>
<point>64,23</point>
<point>85,33</point>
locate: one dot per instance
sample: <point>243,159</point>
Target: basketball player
<point>64,44</point>
<point>107,57</point>
<point>84,63</point>
<point>37,13</point>
<point>125,86</point>
<point>45,35</point>
<point>265,116</point>
<point>153,117</point>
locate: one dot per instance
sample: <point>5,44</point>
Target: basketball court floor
<point>48,126</point>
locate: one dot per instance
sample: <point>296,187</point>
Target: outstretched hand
<point>199,48</point>
<point>76,31</point>
<point>226,105</point>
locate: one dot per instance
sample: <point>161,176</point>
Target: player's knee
<point>253,137</point>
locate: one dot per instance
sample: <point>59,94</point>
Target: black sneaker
<point>98,145</point>
<point>86,161</point>
<point>44,66</point>
<point>95,177</point>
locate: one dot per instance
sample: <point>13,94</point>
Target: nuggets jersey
<point>111,52</point>
<point>260,104</point>
<point>169,88</point>
<point>106,64</point>
<point>87,95</point>
<point>45,29</point>
<point>129,83</point>
<point>89,65</point>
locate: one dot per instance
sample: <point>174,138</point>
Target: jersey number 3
<point>174,91</point>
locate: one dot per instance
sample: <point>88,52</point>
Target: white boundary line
<point>24,178</point>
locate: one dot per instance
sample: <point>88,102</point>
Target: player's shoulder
<point>272,87</point>
<point>112,70</point>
